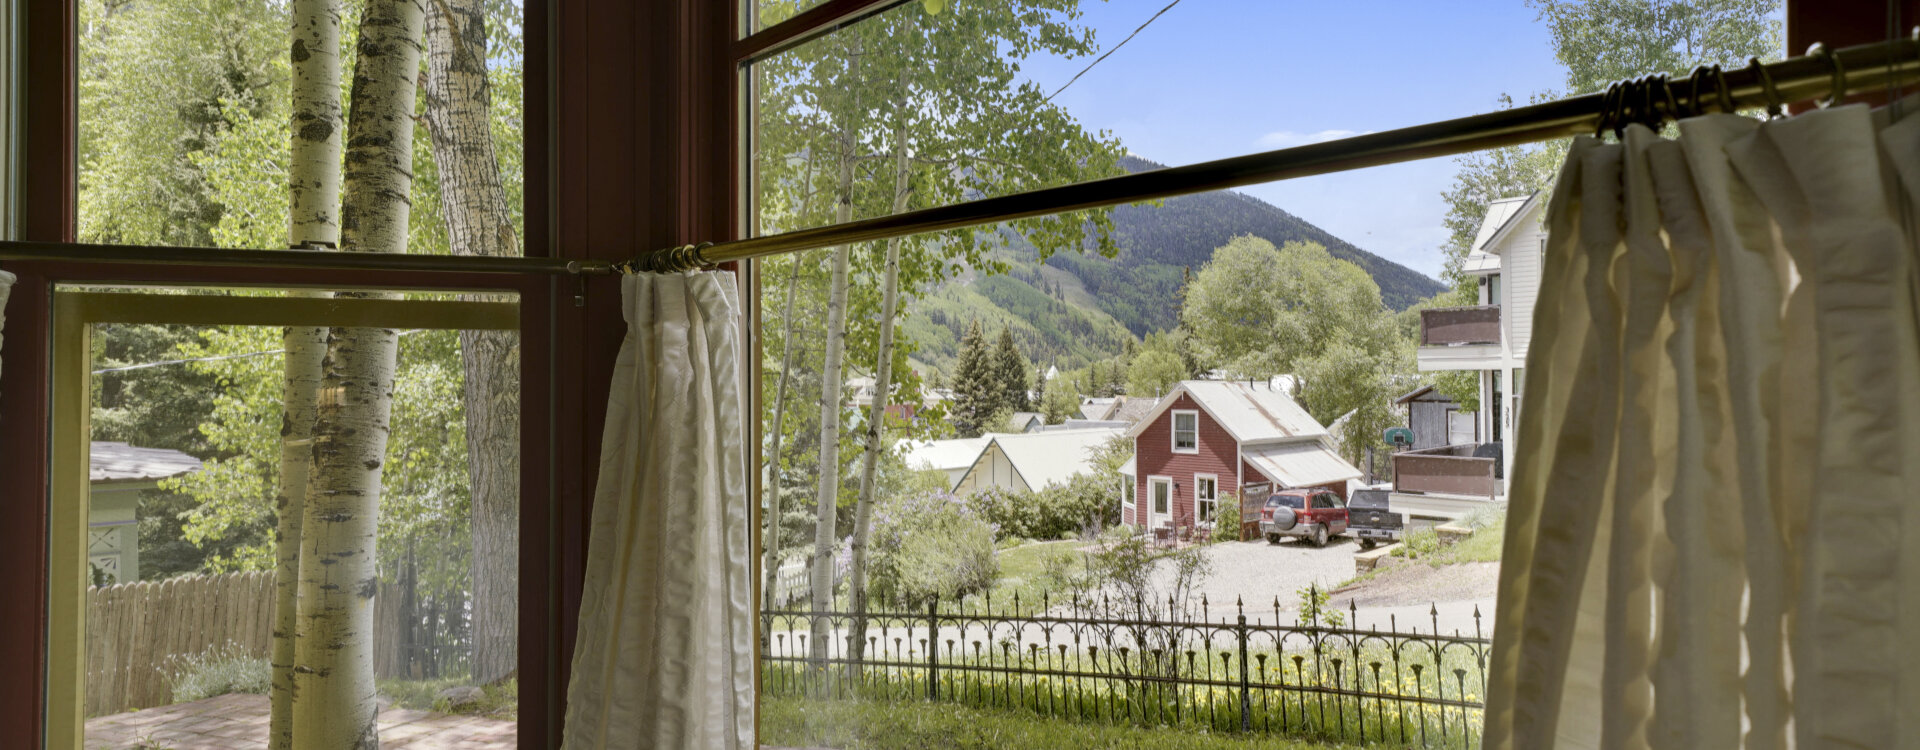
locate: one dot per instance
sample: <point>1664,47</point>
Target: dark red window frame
<point>633,115</point>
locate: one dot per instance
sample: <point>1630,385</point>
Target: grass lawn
<point>861,725</point>
<point>1023,572</point>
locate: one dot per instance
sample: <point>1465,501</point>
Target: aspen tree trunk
<point>772,564</point>
<point>334,705</point>
<point>831,386</point>
<point>458,114</point>
<point>772,546</point>
<point>313,191</point>
<point>882,385</point>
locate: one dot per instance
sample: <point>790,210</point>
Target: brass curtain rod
<point>1820,73</point>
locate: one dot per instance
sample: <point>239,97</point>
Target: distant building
<point>1026,421</point>
<point>1035,460</point>
<point>954,457</point>
<point>1096,408</point>
<point>117,473</point>
<point>1210,439</point>
<point>1127,409</point>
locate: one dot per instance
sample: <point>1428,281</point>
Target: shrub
<point>930,545</point>
<point>1226,518</point>
<point>1083,505</point>
<point>218,671</point>
<point>1314,607</point>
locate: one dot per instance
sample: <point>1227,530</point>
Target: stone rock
<point>461,698</point>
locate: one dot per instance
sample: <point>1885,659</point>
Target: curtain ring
<point>1838,89</point>
<point>1607,101</point>
<point>1774,105</point>
<point>1657,87</point>
<point>1693,90</point>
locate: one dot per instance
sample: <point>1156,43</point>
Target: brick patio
<point>240,722</point>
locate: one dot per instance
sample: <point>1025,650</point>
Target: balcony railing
<point>1466,469</point>
<point>1446,326</point>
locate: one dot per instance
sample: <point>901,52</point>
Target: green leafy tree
<point>1158,365</point>
<point>1259,311</point>
<point>1599,42</point>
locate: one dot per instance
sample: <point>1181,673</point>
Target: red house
<point>1209,438</point>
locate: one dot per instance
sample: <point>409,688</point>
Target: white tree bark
<point>313,193</point>
<point>882,386</point>
<point>827,496</point>
<point>458,116</point>
<point>334,704</point>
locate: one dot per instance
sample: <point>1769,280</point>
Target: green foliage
<point>1010,369</point>
<point>1258,311</point>
<point>1060,402</point>
<point>501,700</point>
<point>1158,366</point>
<point>903,725</point>
<point>217,671</point>
<point>1226,518</point>
<point>928,546</point>
<point>1599,42</point>
<point>1314,608</point>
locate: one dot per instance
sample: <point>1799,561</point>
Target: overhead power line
<point>1116,48</point>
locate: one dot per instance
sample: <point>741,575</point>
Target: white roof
<point>120,462</point>
<point>1480,262</point>
<point>1301,464</point>
<point>1252,413</point>
<point>1498,214</point>
<point>1053,457</point>
<point>945,454</point>
<point>1130,468</point>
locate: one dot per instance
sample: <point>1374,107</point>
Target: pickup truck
<point>1371,520</point>
<point>1312,515</point>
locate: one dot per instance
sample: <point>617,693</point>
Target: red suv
<point>1313,515</point>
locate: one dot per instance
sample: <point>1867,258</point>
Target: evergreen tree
<point>977,393</point>
<point>1010,368</point>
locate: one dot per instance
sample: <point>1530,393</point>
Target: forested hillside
<point>1081,306</point>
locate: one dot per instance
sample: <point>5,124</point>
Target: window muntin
<point>207,526</point>
<point>1206,493</point>
<point>1186,431</point>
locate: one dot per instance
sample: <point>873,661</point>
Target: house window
<point>1162,495</point>
<point>1128,497</point>
<point>1186,432</point>
<point>1206,491</point>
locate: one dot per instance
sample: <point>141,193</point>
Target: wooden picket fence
<point>134,631</point>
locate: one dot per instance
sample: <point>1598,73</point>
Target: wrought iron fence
<point>1102,659</point>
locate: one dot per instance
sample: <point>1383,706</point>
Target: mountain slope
<point>1081,306</point>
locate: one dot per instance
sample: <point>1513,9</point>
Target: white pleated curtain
<point>664,657</point>
<point>1714,530</point>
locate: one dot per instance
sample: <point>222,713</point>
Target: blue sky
<point>1219,78</point>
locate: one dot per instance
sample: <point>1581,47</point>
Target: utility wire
<point>1116,48</point>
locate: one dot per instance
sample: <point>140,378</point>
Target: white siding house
<point>1491,338</point>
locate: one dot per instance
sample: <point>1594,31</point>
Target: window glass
<point>1186,431</point>
<point>1206,490</point>
<point>186,528</point>
<point>1305,289</point>
<point>184,126</point>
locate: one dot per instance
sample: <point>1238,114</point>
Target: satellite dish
<point>1398,436</point>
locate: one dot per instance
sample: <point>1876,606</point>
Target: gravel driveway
<point>1259,573</point>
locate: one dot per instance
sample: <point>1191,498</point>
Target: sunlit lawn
<point>912,725</point>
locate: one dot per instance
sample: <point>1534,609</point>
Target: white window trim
<point>1154,516</point>
<point>1129,499</point>
<point>1211,501</point>
<point>1173,431</point>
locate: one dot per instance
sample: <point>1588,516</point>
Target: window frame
<point>1204,508</point>
<point>1173,426</point>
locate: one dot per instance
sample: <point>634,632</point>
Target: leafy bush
<point>1314,607</point>
<point>1226,518</point>
<point>930,545</point>
<point>1084,504</point>
<point>218,671</point>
